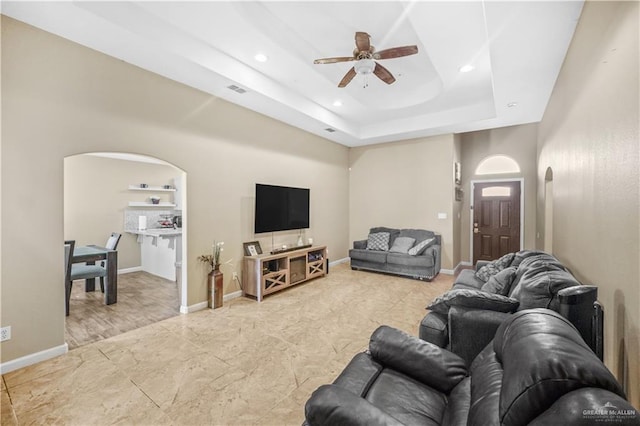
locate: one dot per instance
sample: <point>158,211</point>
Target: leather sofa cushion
<point>486,382</point>
<point>546,360</point>
<point>406,399</point>
<point>539,285</point>
<point>407,260</point>
<point>433,328</point>
<point>424,361</point>
<point>359,374</point>
<point>459,400</point>
<point>368,255</point>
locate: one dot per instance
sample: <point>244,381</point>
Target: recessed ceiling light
<point>261,57</point>
<point>466,68</point>
<point>337,103</point>
<point>512,104</point>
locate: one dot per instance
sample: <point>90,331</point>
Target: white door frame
<point>471,212</point>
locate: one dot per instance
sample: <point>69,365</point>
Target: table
<point>90,254</point>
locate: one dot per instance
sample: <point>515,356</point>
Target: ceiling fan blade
<point>396,52</point>
<point>362,42</point>
<point>333,60</point>
<point>348,77</point>
<point>383,74</point>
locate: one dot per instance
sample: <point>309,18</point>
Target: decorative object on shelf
<point>459,193</point>
<point>252,248</point>
<point>155,200</point>
<point>215,278</point>
<point>167,187</point>
<point>457,173</point>
<point>143,185</point>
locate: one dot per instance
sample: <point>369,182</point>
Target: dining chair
<point>86,272</point>
<point>68,254</point>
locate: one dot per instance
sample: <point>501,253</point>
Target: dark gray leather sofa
<point>424,266</point>
<point>536,371</point>
<point>538,280</point>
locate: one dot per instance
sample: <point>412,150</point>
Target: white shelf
<point>151,188</point>
<point>145,204</point>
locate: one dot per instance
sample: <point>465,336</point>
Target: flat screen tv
<point>281,208</point>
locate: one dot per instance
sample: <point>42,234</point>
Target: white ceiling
<point>517,49</point>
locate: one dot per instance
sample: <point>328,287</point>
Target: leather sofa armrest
<point>333,405</point>
<point>470,330</point>
<point>360,244</point>
<point>579,305</point>
<point>423,361</point>
<point>481,263</point>
<point>589,406</point>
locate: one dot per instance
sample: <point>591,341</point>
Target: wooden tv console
<point>268,273</point>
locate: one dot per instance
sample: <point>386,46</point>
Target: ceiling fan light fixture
<point>466,68</point>
<point>364,66</point>
<point>337,103</point>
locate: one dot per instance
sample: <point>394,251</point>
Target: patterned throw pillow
<point>421,246</point>
<point>487,271</point>
<point>474,299</point>
<point>402,245</point>
<point>378,241</point>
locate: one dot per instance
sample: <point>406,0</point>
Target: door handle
<point>475,230</point>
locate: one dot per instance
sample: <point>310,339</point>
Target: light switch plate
<point>442,215</point>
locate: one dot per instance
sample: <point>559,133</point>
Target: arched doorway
<point>548,210</point>
<point>137,197</point>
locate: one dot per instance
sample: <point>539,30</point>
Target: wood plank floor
<point>143,299</point>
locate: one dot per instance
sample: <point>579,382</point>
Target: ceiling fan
<point>364,54</point>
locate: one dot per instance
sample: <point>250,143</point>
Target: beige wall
<point>589,137</point>
<point>96,196</point>
<point>517,142</point>
<point>403,185</point>
<point>60,99</point>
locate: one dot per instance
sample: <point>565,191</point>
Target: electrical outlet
<point>5,333</point>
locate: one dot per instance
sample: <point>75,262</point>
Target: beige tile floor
<point>246,363</point>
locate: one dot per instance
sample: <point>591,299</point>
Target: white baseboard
<point>232,296</point>
<point>129,270</point>
<point>339,261</point>
<point>193,308</point>
<point>34,358</point>
<point>447,271</point>
<point>462,265</point>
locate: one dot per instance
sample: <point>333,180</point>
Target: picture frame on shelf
<point>457,173</point>
<point>252,248</point>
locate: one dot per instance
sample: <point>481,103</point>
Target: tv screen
<point>280,208</point>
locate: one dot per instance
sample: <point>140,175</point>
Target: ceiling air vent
<point>330,130</point>
<point>237,89</point>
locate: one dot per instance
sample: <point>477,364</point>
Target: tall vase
<point>214,288</point>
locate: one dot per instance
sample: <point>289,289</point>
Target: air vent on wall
<point>330,130</point>
<point>237,89</point>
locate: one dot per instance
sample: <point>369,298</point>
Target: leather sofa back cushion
<point>543,358</point>
<point>539,285</point>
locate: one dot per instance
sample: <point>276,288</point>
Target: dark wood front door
<point>496,219</point>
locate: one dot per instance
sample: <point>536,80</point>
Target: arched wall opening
<point>108,192</point>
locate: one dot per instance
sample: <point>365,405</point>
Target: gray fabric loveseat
<point>413,253</point>
<point>466,317</point>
